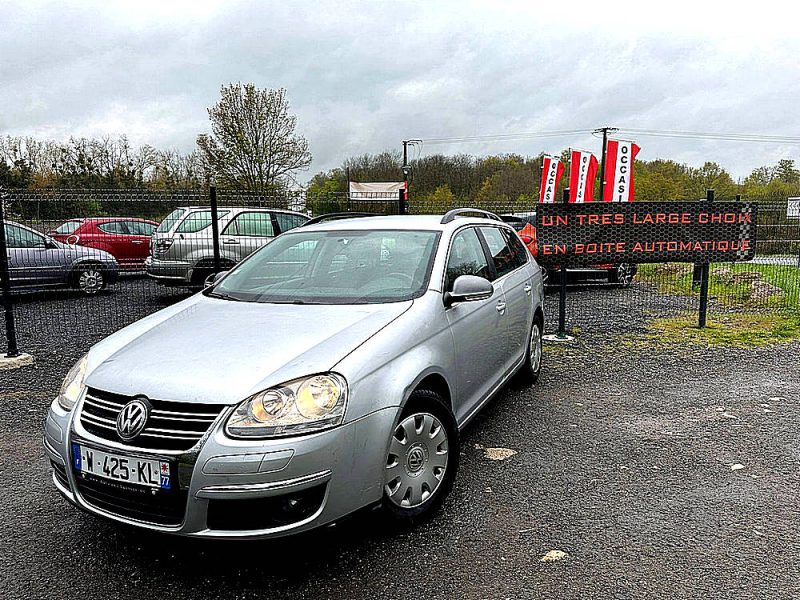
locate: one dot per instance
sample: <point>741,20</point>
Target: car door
<point>477,327</point>
<point>112,237</point>
<point>247,232</point>
<point>138,240</point>
<point>31,262</point>
<point>509,258</point>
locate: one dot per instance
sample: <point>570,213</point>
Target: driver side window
<point>466,258</point>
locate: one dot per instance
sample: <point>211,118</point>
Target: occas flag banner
<point>582,171</point>
<point>619,171</point>
<point>552,170</point>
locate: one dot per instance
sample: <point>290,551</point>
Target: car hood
<point>217,351</point>
<point>76,251</point>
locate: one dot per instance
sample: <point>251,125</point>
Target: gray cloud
<point>362,76</point>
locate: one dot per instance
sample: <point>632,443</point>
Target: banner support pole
<point>704,275</point>
<point>562,336</point>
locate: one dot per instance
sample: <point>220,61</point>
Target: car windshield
<point>334,267</point>
<point>68,227</point>
<point>170,220</point>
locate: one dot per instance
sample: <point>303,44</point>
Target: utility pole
<point>605,131</point>
<point>406,171</point>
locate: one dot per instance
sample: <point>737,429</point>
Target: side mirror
<point>214,278</point>
<point>50,244</point>
<point>469,288</point>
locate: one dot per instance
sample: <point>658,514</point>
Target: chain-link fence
<point>84,263</point>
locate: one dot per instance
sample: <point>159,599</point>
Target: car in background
<point>37,261</point>
<point>127,239</point>
<point>182,247</point>
<point>330,371</point>
<point>525,225</point>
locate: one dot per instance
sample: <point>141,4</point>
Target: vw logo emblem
<point>132,418</point>
<point>416,458</point>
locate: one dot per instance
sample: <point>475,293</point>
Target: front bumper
<point>226,487</point>
<point>168,271</point>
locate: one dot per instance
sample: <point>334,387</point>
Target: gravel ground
<point>628,471</point>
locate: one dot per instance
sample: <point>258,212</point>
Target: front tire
<point>89,280</point>
<point>623,274</point>
<point>422,458</point>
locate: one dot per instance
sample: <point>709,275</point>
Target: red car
<point>126,238</point>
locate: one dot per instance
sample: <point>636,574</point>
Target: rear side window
<point>68,227</point>
<point>115,227</point>
<point>287,221</point>
<point>498,248</point>
<point>140,228</point>
<point>252,224</point>
<point>466,257</point>
<point>519,253</point>
<point>197,221</point>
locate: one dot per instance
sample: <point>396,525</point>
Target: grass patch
<point>736,329</point>
<point>729,284</point>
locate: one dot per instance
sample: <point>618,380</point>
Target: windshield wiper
<point>223,296</point>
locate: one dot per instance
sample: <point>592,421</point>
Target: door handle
<point>230,241</point>
<point>501,307</point>
<point>137,242</point>
<point>527,288</point>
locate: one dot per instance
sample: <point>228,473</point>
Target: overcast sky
<point>362,76</point>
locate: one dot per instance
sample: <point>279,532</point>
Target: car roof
<point>409,222</point>
<point>113,220</point>
<point>256,208</point>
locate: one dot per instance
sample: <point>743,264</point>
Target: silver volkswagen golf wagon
<point>329,371</point>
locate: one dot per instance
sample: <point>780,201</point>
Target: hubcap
<point>91,281</point>
<point>417,460</point>
<point>536,348</point>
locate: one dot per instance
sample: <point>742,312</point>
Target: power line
<point>679,134</point>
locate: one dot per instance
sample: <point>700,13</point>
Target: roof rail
<point>337,216</point>
<point>452,214</point>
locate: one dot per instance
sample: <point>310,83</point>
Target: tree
<point>253,144</point>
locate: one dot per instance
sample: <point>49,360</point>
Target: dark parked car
<point>525,225</point>
<point>127,239</point>
<point>38,261</point>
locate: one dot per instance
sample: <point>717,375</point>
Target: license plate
<point>129,469</point>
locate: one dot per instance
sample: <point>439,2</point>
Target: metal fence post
<point>5,283</point>
<point>706,268</point>
<point>214,226</point>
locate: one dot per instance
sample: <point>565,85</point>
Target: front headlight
<point>300,406</point>
<point>73,385</point>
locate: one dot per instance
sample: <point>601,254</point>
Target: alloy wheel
<point>90,281</point>
<point>535,349</point>
<point>417,460</point>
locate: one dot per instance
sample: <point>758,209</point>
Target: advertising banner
<point>552,169</point>
<point>645,232</point>
<point>582,170</point>
<point>619,171</point>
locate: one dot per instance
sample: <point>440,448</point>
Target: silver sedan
<point>331,370</point>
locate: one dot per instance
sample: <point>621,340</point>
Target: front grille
<point>164,507</point>
<point>171,425</point>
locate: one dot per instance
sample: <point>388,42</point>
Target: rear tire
<point>529,372</point>
<point>422,458</point>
